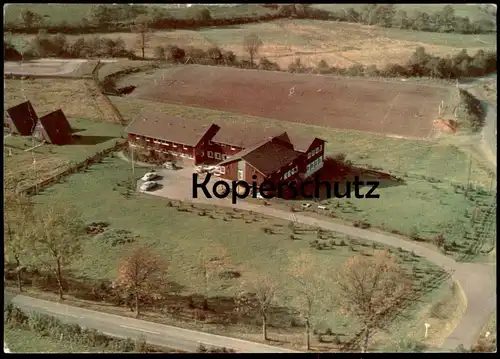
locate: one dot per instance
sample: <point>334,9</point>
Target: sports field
<point>355,104</point>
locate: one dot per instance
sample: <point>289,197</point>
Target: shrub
<point>414,233</point>
<point>140,345</point>
<point>365,225</point>
<point>439,240</point>
<point>201,349</point>
<point>14,316</point>
<point>336,340</point>
<point>342,243</point>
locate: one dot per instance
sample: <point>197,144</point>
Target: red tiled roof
<point>243,136</point>
<point>57,127</point>
<point>23,117</point>
<point>168,128</point>
<point>270,157</point>
<point>267,156</point>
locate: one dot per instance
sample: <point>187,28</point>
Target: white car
<point>147,186</point>
<point>149,176</point>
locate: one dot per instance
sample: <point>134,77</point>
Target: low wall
<point>74,168</point>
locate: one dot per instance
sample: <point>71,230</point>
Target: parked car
<point>170,165</point>
<point>149,176</point>
<point>148,186</point>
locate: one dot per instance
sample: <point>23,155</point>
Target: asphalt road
<point>123,327</point>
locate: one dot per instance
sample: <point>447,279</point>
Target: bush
<point>439,240</point>
<point>265,64</point>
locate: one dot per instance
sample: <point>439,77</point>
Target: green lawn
<point>99,195</point>
<point>51,159</point>
<point>26,341</point>
<point>428,203</point>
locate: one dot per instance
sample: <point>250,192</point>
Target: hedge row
<point>49,326</point>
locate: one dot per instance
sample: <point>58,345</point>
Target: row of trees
<point>113,18</point>
<point>420,64</point>
<point>117,17</point>
<point>45,45</point>
<point>386,15</point>
<point>368,289</point>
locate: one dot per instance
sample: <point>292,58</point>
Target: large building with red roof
<point>241,152</point>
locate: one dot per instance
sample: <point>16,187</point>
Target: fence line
<point>98,157</point>
<point>113,108</point>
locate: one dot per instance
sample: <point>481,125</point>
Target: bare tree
<point>252,44</point>
<point>18,230</point>
<point>141,274</point>
<point>59,233</point>
<point>309,291</point>
<point>141,28</point>
<point>260,295</point>
<point>371,288</point>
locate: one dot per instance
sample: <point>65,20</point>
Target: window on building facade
<point>308,155</point>
<point>320,147</point>
<point>224,157</point>
<point>174,146</point>
<point>217,156</point>
<point>222,170</point>
<point>210,154</point>
<point>137,138</point>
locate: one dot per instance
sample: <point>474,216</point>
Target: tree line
<point>107,18</point>
<point>420,64</point>
<point>388,16</point>
<point>368,289</point>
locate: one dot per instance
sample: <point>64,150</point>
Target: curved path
<point>478,281</point>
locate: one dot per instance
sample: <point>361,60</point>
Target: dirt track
<point>356,104</point>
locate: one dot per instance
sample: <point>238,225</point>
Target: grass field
<point>175,235</point>
<point>26,341</point>
<point>339,44</point>
<point>77,98</point>
<point>430,170</point>
<point>396,108</point>
<point>51,159</point>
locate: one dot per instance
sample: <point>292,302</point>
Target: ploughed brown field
<point>395,108</point>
